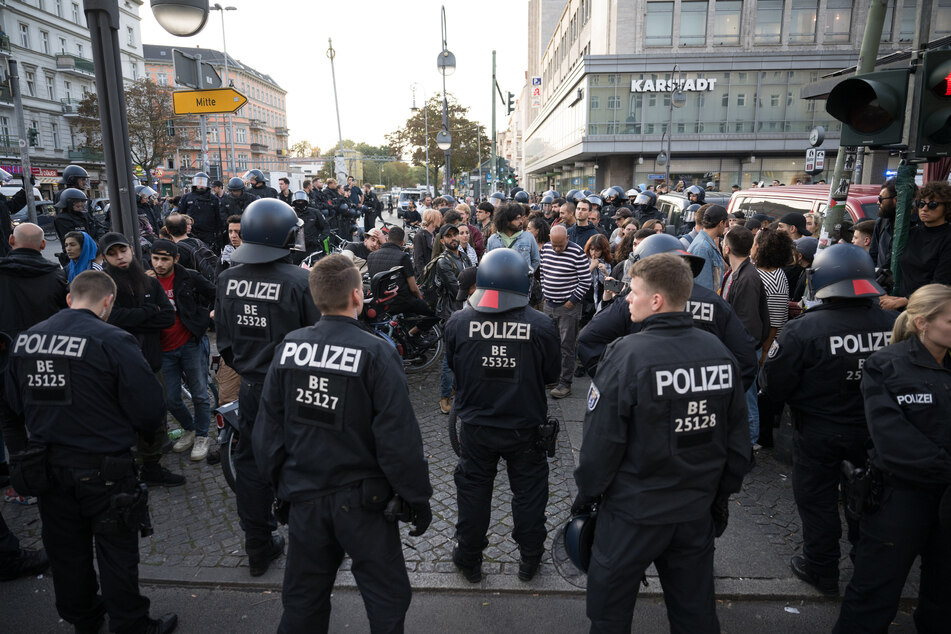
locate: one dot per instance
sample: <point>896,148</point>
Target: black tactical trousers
<point>683,554</point>
<point>70,514</point>
<point>320,532</point>
<point>475,477</point>
<point>904,527</point>
<point>817,457</point>
<point>254,496</point>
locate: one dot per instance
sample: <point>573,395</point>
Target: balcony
<point>9,146</point>
<point>70,108</point>
<point>258,148</point>
<point>5,94</point>
<point>73,65</point>
<point>4,44</point>
<point>256,124</point>
<point>281,131</point>
<point>85,154</point>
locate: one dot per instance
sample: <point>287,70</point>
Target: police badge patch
<point>593,396</point>
<point>773,349</point>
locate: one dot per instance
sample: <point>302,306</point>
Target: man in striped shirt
<point>565,280</point>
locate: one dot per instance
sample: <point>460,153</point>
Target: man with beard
<point>142,309</point>
<point>881,247</point>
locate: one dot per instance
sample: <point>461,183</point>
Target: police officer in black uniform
<point>666,442</point>
<point>710,312</point>
<point>83,390</point>
<point>503,353</point>
<point>75,177</point>
<point>237,199</point>
<point>645,207</point>
<point>145,206</point>
<point>258,303</point>
<point>211,219</point>
<point>337,436</point>
<point>72,215</point>
<point>907,392</point>
<point>815,365</point>
<point>314,227</point>
<point>258,184</point>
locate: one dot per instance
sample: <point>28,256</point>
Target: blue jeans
<point>752,405</point>
<point>447,380</point>
<point>191,362</point>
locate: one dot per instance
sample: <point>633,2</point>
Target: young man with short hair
<point>862,234</point>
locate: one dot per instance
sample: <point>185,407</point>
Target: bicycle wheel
<point>414,362</point>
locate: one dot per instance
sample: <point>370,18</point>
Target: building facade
<point>260,126</point>
<point>50,41</point>
<point>605,113</point>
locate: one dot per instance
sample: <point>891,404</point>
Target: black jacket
<point>926,258</point>
<point>815,363</point>
<point>151,214</point>
<point>256,306</point>
<point>66,221</point>
<point>907,400</point>
<point>448,268</point>
<point>746,295</point>
<point>194,299</point>
<point>285,196</point>
<point>209,213</point>
<point>146,319</point>
<point>31,289</point>
<point>231,206</point>
<point>502,363</point>
<point>422,251</point>
<point>881,247</point>
<point>709,312</point>
<point>666,428</point>
<point>264,191</point>
<point>8,207</point>
<point>643,214</point>
<point>334,411</point>
<point>101,390</point>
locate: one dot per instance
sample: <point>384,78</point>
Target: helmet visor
<point>200,181</point>
<point>642,199</point>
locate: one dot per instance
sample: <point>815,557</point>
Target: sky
<point>382,48</point>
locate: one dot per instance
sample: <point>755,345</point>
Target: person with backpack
<point>449,264</point>
<point>192,252</point>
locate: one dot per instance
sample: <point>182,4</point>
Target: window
<point>59,8</point>
<point>241,135</point>
<point>135,71</point>
<point>693,23</point>
<point>614,103</point>
<point>41,5</point>
<point>55,136</point>
<point>36,126</point>
<point>741,99</point>
<point>30,83</point>
<point>769,22</point>
<point>131,34</point>
<point>725,100</point>
<point>726,23</point>
<point>660,24</point>
<point>907,29</point>
<point>76,13</point>
<point>5,130</point>
<point>774,101</point>
<point>45,42</point>
<point>163,79</point>
<point>942,23</point>
<point>51,87</point>
<point>887,27</point>
<point>68,88</point>
<point>62,45</point>
<point>802,22</point>
<point>839,19</point>
<point>24,35</point>
<point>80,49</point>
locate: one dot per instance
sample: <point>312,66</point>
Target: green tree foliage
<point>303,149</point>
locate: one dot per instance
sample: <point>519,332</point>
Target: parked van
<point>672,205</point>
<point>407,195</point>
<point>862,203</point>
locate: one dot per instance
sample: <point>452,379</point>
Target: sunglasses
<point>932,205</point>
<point>881,200</point>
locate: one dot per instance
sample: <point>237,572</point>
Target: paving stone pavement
<point>197,533</point>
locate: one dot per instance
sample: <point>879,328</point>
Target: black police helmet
<point>235,184</point>
<point>570,195</point>
<point>595,201</point>
<point>268,229</point>
<point>579,538</point>
<point>300,196</point>
<point>200,180</point>
<point>498,195</point>
<point>522,197</point>
<point>502,282</point>
<point>696,189</point>
<point>73,172</point>
<point>451,200</point>
<point>514,191</point>
<point>619,192</point>
<point>577,197</point>
<point>255,176</point>
<point>843,270</point>
<point>547,200</point>
<point>587,193</point>
<point>646,198</point>
<point>68,197</point>
<point>666,243</point>
<point>554,193</point>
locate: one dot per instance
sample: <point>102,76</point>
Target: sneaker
<point>260,561</point>
<point>445,405</point>
<point>561,391</point>
<point>200,448</point>
<point>185,442</point>
<point>757,446</point>
<point>155,474</point>
<point>527,568</point>
<point>829,586</point>
<point>162,625</point>
<point>27,563</point>
<point>10,495</point>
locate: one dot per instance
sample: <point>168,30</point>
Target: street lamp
<point>425,130</point>
<point>179,17</point>
<point>678,99</point>
<point>224,46</point>
<point>446,64</point>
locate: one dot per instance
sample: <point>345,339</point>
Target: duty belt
<point>61,456</point>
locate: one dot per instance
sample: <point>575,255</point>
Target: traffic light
<point>510,103</point>
<point>934,109</point>
<point>33,135</point>
<point>871,107</point>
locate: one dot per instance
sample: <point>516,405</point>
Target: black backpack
<point>201,258</point>
<point>427,284</point>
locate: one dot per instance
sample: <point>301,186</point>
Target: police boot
<point>473,574</point>
<point>829,586</point>
<point>528,566</point>
<point>162,625</point>
<point>259,560</point>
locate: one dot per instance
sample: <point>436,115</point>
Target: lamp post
<point>446,64</point>
<point>677,100</point>
<point>339,164</point>
<point>426,129</point>
<point>224,46</point>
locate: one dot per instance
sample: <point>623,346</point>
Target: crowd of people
<point>734,319</point>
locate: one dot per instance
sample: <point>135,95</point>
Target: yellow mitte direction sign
<point>217,101</point>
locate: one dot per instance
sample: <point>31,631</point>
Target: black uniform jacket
<point>194,297</point>
<point>816,362</point>
<point>335,410</point>
<point>31,289</point>
<point>82,383</point>
<point>231,206</point>
<point>907,404</point>
<point>206,209</point>
<point>502,363</point>
<point>256,306</point>
<point>264,191</point>
<point>710,312</point>
<point>666,428</point>
<point>67,220</point>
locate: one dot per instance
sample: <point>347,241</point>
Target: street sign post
<point>810,166</point>
<point>187,74</point>
<point>219,101</point>
<point>820,160</point>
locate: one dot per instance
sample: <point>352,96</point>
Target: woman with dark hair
<point>540,228</point>
<point>83,253</point>
<point>598,251</point>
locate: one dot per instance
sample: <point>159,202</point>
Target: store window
<point>769,22</point>
<point>726,23</point>
<point>660,24</point>
<point>802,21</point>
<point>693,23</point>
<point>838,19</point>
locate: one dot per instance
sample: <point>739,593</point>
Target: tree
<point>411,138</point>
<point>148,109</point>
<point>303,149</point>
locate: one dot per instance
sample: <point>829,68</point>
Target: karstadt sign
<point>669,85</point>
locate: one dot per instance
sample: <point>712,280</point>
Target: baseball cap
<point>797,220</point>
<point>111,239</point>
<point>714,215</point>
<point>623,212</point>
<point>446,229</point>
<point>467,279</point>
<point>165,247</point>
<point>807,246</point>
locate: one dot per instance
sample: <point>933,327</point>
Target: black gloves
<point>422,518</point>
<point>720,512</point>
<point>582,505</point>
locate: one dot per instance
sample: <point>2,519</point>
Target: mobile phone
<point>615,286</point>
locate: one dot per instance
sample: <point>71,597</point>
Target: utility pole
<point>339,164</point>
<point>494,167</point>
<point>24,142</point>
<point>203,123</point>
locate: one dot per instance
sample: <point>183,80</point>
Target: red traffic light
<point>941,86</point>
